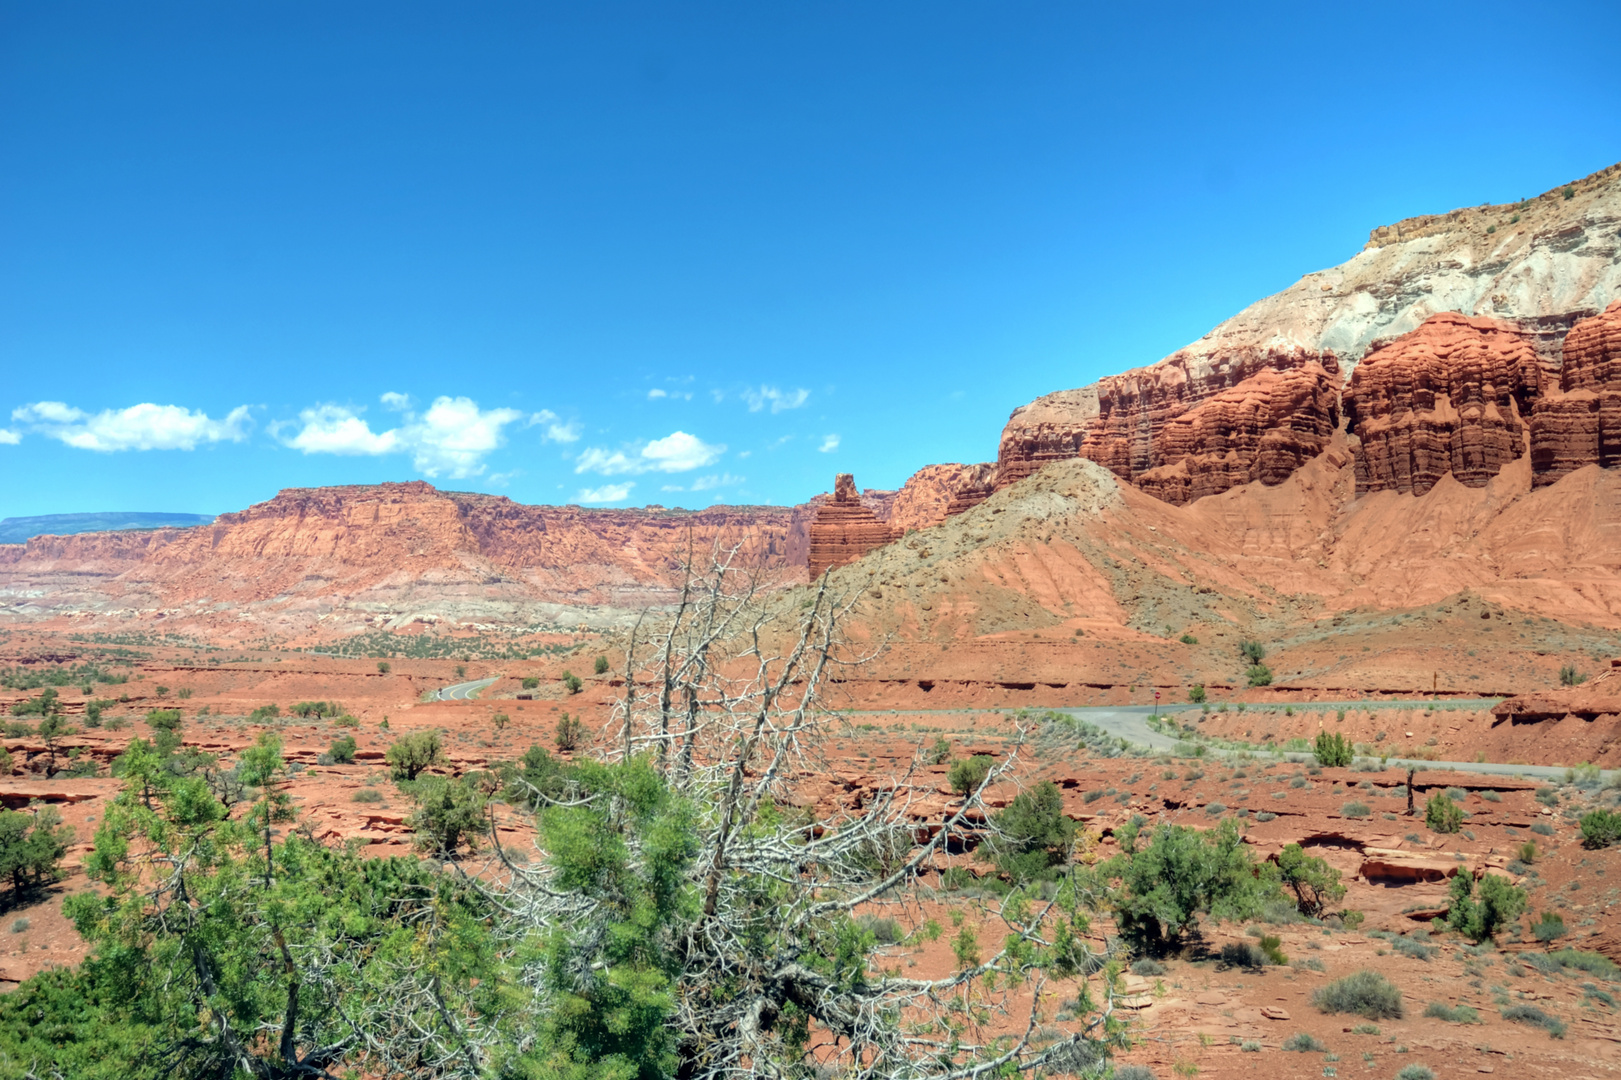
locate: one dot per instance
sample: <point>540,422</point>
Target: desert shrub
<point>600,666</point>
<point>1549,927</point>
<point>1092,796</point>
<point>1259,675</point>
<point>1542,828</point>
<point>1530,1014</point>
<point>500,720</point>
<point>572,683</point>
<point>1416,1072</point>
<point>384,666</point>
<point>263,713</point>
<point>1600,828</point>
<point>966,774</point>
<point>1456,794</point>
<point>530,682</point>
<point>1243,954</point>
<point>1332,750</point>
<point>1033,835</point>
<point>1443,815</point>
<point>1547,796</point>
<point>413,753</point>
<point>1147,967</point>
<point>1569,676</point>
<point>163,719</point>
<point>1215,809</point>
<point>1134,1072</point>
<point>1479,917</point>
<point>1272,946</point>
<point>1595,964</point>
<point>1253,651</point>
<point>449,813</point>
<point>1180,875</point>
<point>1189,639</point>
<point>1196,693</point>
<point>940,752</point>
<point>310,710</point>
<point>1265,816</point>
<point>20,925</point>
<point>1412,947</point>
<point>570,732</point>
<point>1355,810</point>
<point>1314,883</point>
<point>1452,1014</point>
<point>367,795</point>
<point>885,931</point>
<point>342,751</point>
<point>1303,1043</point>
<point>1365,993</point>
<point>1491,796</point>
<point>1528,852</point>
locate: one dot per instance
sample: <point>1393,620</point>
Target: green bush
<point>1443,815</point>
<point>570,732</point>
<point>1569,676</point>
<point>966,774</point>
<point>384,666</point>
<point>343,750</point>
<point>1147,967</point>
<point>1253,651</point>
<point>1355,810</point>
<point>413,753</point>
<point>32,846</point>
<point>530,682</point>
<point>1259,675</point>
<point>367,795</point>
<point>1180,875</point>
<point>1600,828</point>
<point>1196,693</point>
<point>1479,917</point>
<point>1189,639</point>
<point>1364,993</point>
<point>1032,835</point>
<point>1550,927</point>
<point>1303,1043</point>
<point>940,752</point>
<point>500,720</point>
<point>449,813</point>
<point>1452,1014</point>
<point>1416,1072</point>
<point>1595,964</point>
<point>1530,1014</point>
<point>1332,750</point>
<point>1314,882</point>
<point>601,665</point>
<point>572,683</point>
<point>263,713</point>
<point>163,719</point>
<point>1243,954</point>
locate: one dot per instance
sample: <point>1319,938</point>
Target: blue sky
<point>691,253</point>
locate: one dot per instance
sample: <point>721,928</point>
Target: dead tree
<point>724,698</point>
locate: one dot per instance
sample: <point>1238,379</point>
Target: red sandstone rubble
<point>1447,397</point>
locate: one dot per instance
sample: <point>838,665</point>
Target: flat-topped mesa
<point>1189,425</point>
<point>1580,423</point>
<point>843,529</point>
<point>1450,396</point>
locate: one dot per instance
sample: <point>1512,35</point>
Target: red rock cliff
<point>1451,396</point>
<point>1187,426</point>
<point>843,529</point>
<point>1580,423</point>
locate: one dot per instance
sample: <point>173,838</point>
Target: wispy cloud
<point>829,444</point>
<point>676,452</point>
<point>557,430</point>
<point>9,437</point>
<point>453,437</point>
<point>139,427</point>
<point>607,493</point>
<point>777,399</point>
<point>705,483</point>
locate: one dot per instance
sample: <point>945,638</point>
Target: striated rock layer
<point>1538,265</point>
<point>1448,397</point>
<point>843,529</point>
<point>1580,423</point>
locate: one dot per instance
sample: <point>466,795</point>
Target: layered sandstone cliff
<point>844,529</point>
<point>1541,265</point>
<point>1580,423</point>
<point>1451,396</point>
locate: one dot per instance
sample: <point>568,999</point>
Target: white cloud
<point>777,399</point>
<point>10,438</point>
<point>607,493</point>
<point>829,444</point>
<point>333,429</point>
<point>139,427</point>
<point>676,452</point>
<point>556,430</point>
<point>397,402</point>
<point>705,483</point>
<point>453,437</point>
<point>655,393</point>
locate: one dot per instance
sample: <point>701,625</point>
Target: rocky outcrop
<point>1580,424</point>
<point>974,486</point>
<point>1536,264</point>
<point>1188,426</point>
<point>1449,397</point>
<point>843,529</point>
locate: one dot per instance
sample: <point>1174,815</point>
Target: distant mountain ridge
<point>19,530</point>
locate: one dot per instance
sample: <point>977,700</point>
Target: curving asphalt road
<point>464,691</point>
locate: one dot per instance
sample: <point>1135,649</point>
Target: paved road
<point>1129,722</point>
<point>464,691</point>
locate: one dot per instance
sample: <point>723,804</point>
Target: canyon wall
<point>1579,423</point>
<point>1186,427</point>
<point>1451,396</point>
